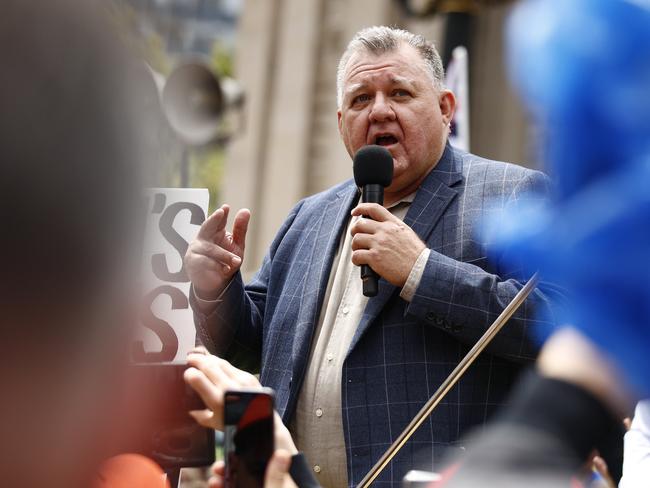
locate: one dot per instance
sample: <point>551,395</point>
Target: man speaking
<point>351,371</point>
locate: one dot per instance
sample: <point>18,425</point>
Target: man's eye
<point>361,98</point>
<point>401,93</point>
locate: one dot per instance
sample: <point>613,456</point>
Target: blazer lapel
<point>434,195</point>
<point>333,221</point>
<point>431,199</point>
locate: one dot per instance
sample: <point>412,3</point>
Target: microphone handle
<point>371,193</point>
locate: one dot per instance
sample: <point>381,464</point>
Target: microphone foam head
<point>373,165</point>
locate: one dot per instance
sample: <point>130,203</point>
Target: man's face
<point>390,100</point>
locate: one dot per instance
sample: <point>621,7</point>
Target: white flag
<point>457,81</point>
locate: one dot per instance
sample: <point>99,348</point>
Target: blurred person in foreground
<point>70,164</point>
<point>348,371</point>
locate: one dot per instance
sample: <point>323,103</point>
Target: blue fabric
<point>401,352</point>
<point>583,69</point>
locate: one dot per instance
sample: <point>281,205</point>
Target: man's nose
<point>381,109</point>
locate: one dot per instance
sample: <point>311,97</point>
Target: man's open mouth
<point>386,140</point>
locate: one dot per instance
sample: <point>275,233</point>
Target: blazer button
<point>457,329</point>
<point>431,316</point>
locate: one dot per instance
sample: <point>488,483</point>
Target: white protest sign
<point>167,331</point>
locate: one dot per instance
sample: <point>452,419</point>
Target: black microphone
<point>373,170</point>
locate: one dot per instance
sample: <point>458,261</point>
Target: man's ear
<point>447,101</point>
<point>340,121</point>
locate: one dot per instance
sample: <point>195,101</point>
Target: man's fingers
<point>365,226</point>
<point>362,241</point>
<point>214,223</point>
<point>200,350</point>
<point>362,256</point>
<point>211,394</point>
<point>215,252</point>
<point>218,470</point>
<point>218,467</point>
<point>215,482</point>
<point>213,369</point>
<point>243,379</point>
<point>374,211</point>
<point>208,264</point>
<point>205,263</point>
<point>222,224</point>
<point>240,227</point>
<point>205,418</point>
<point>221,372</point>
<point>277,470</point>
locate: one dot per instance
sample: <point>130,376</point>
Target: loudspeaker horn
<point>194,101</point>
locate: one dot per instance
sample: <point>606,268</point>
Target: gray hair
<point>383,39</point>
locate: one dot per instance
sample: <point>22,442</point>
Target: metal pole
<point>185,167</point>
<point>451,380</point>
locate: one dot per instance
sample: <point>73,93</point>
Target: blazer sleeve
<point>463,299</point>
<point>234,330</point>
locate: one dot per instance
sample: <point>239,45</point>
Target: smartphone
<point>162,428</point>
<point>248,436</point>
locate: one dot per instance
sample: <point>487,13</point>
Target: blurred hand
<point>627,423</point>
<point>218,470</point>
<point>570,356</point>
<point>385,243</point>
<point>216,255</point>
<point>277,472</point>
<point>599,465</point>
<point>210,377</point>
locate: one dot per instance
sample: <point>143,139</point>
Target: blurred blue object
<point>583,69</point>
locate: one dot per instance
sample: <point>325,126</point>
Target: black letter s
<point>166,225</point>
<point>162,329</point>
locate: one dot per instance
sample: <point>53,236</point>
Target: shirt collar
<point>408,199</point>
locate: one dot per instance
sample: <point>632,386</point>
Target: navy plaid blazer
<point>401,352</point>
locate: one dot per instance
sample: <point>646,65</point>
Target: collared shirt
<point>317,427</point>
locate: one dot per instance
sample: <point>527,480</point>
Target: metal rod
<point>185,168</point>
<point>451,380</point>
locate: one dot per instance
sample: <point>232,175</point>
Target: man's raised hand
<point>216,255</point>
